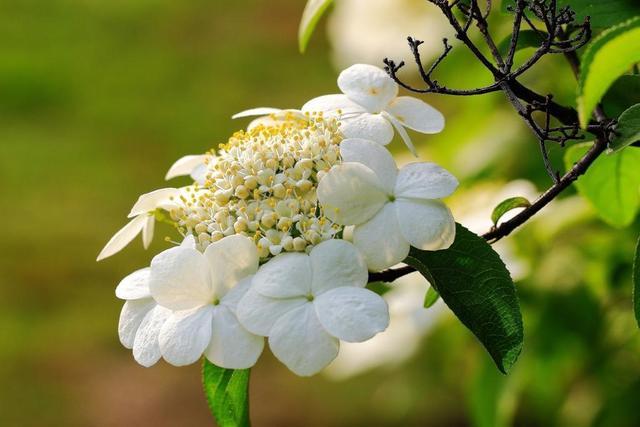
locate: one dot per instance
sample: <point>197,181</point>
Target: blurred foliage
<point>96,101</point>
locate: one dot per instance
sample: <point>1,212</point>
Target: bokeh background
<point>98,98</point>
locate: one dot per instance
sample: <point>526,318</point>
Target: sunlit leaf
<point>636,283</point>
<point>627,129</point>
<point>507,205</point>
<point>227,393</point>
<point>611,184</point>
<point>607,57</point>
<point>312,13</point>
<point>432,296</point>
<point>475,284</point>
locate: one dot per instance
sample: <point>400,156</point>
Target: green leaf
<point>636,283</point>
<point>227,393</point>
<point>603,13</point>
<point>507,205</point>
<point>527,38</point>
<point>624,93</point>
<point>627,129</point>
<point>431,297</point>
<point>607,57</point>
<point>611,184</point>
<point>312,13</point>
<point>474,282</point>
<point>379,287</point>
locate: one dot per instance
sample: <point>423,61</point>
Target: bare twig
<point>560,35</point>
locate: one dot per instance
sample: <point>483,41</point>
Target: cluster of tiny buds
<point>262,184</point>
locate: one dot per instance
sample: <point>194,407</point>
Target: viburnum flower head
<point>262,184</point>
<point>141,318</point>
<point>306,304</point>
<point>202,291</point>
<point>391,210</point>
<point>370,107</point>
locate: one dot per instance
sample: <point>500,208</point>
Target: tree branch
<point>524,100</point>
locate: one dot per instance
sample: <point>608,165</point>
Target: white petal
<point>336,263</point>
<point>189,242</point>
<point>135,285</point>
<point>368,86</point>
<point>150,201</point>
<point>426,224</point>
<point>185,335</point>
<point>258,313</point>
<point>284,276</point>
<point>424,181</point>
<point>199,174</point>
<point>350,193</point>
<point>180,279</point>
<point>352,314</point>
<point>232,346</point>
<point>300,342</point>
<point>381,241</point>
<point>185,165</point>
<point>260,111</point>
<point>147,231</point>
<point>374,127</point>
<point>131,316</point>
<point>233,297</point>
<point>146,349</point>
<point>372,155</point>
<point>332,103</point>
<point>232,259</point>
<point>123,237</point>
<point>403,133</point>
<point>416,114</point>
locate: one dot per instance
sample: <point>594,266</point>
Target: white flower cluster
<point>265,251</point>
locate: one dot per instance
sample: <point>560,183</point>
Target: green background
<point>98,98</point>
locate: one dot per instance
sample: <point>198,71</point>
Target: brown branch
<point>556,41</point>
<point>567,179</point>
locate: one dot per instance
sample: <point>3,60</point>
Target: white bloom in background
<point>370,107</point>
<point>366,31</point>
<point>194,165</point>
<point>143,220</point>
<point>202,291</point>
<point>473,210</point>
<point>391,210</point>
<point>306,304</point>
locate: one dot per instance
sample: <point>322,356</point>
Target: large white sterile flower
<point>391,210</point>
<point>370,107</point>
<point>143,220</point>
<point>306,304</point>
<point>193,165</point>
<point>202,291</point>
<point>141,317</point>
